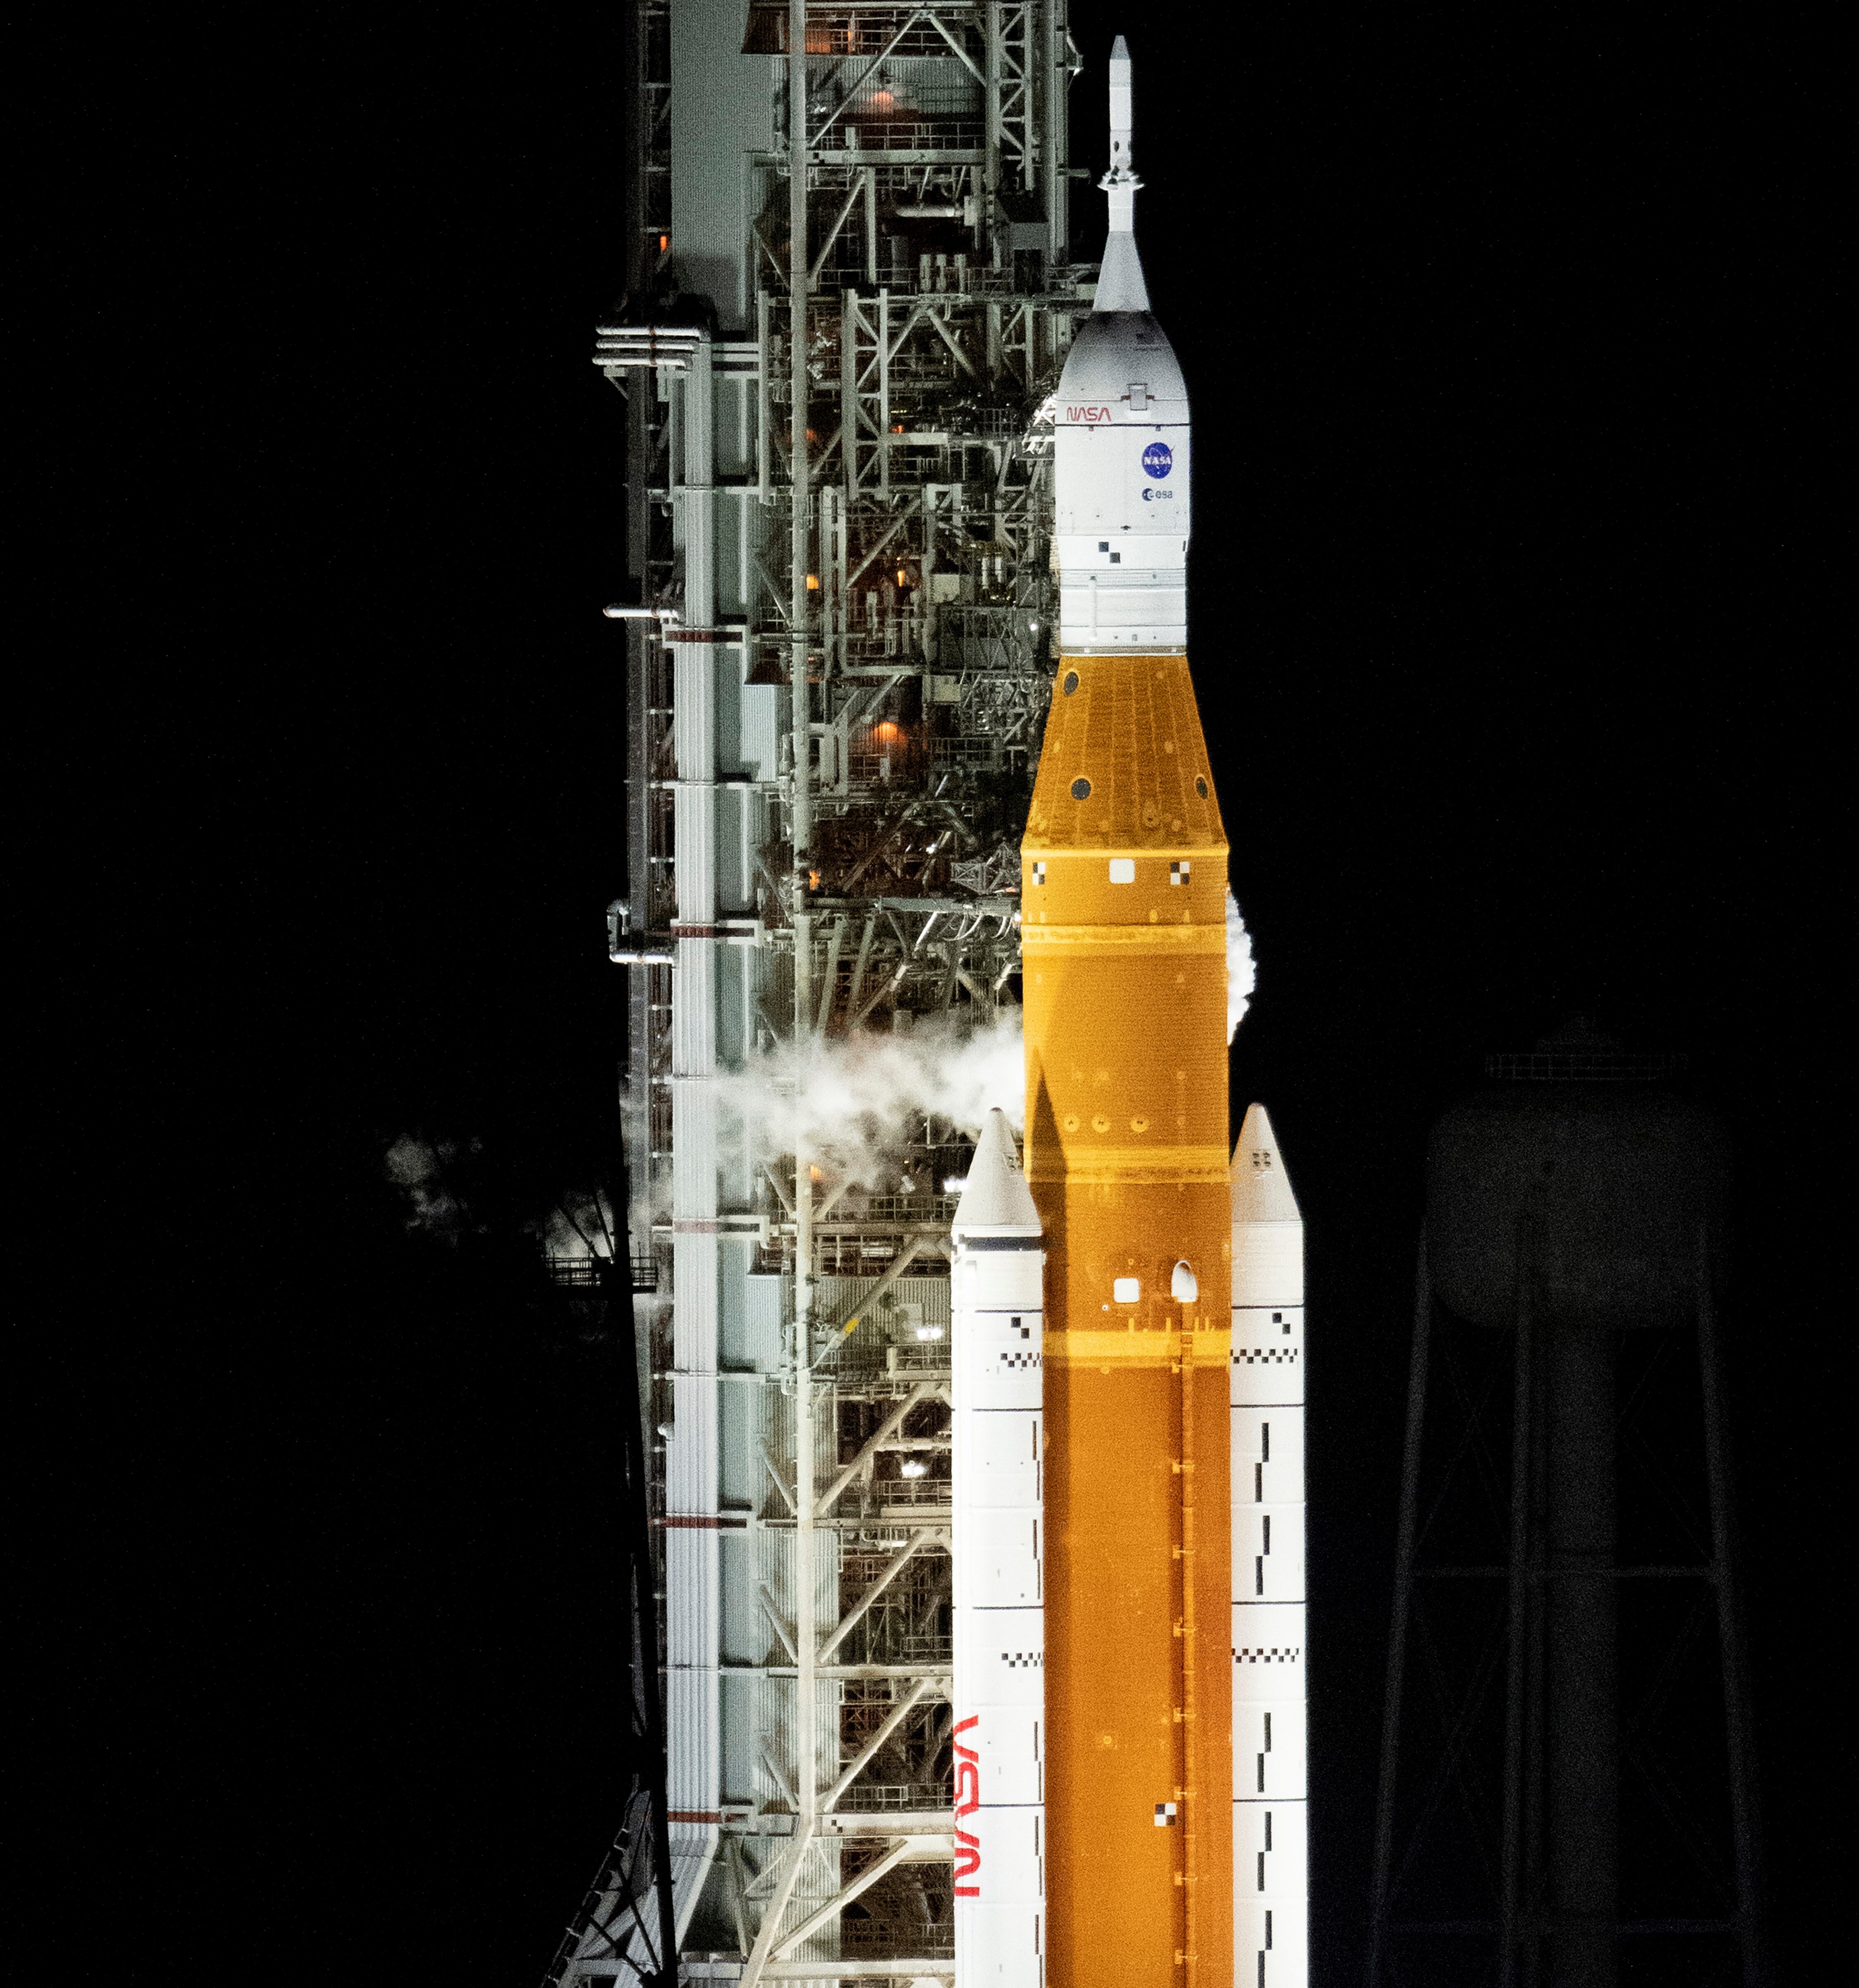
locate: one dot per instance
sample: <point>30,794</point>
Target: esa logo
<point>1157,460</point>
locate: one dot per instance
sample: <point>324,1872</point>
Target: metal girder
<point>921,391</point>
<point>787,1873</point>
<point>898,1851</point>
<point>907,1255</point>
<point>857,1613</point>
<point>869,1752</point>
<point>926,1390</point>
<point>865,1967</point>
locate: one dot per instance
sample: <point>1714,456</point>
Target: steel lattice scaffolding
<point>835,348</point>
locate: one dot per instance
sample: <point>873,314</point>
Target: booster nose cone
<point>1262,1188</point>
<point>996,1199</point>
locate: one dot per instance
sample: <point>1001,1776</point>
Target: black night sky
<point>1508,565</point>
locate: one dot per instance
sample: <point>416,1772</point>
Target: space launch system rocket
<point>1128,1419</point>
<point>1123,911</point>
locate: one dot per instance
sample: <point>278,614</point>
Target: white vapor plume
<point>1242,974</point>
<point>850,1099</point>
<point>418,1168</point>
<point>580,1226</point>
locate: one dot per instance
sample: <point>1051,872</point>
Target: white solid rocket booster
<point>1271,1933</point>
<point>997,1430</point>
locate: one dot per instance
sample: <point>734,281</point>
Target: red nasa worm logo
<point>1087,414</point>
<point>968,1800</point>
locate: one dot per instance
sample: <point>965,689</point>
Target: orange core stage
<point>1124,910</point>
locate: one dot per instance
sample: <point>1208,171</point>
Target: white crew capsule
<point>1121,461</point>
<point>997,1443</point>
<point>1271,1911</point>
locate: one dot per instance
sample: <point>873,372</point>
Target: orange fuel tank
<point>1124,910</point>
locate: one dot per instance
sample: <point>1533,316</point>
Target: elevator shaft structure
<point>849,295</point>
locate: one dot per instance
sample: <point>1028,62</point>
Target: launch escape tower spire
<point>849,297</point>
<point>1120,282</point>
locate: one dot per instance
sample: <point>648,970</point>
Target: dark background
<point>1504,345</point>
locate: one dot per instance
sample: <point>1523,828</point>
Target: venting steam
<point>1242,975</point>
<point>855,1100</point>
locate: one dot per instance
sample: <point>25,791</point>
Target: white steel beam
<point>856,1613</point>
<point>834,1906</point>
<point>788,1868</point>
<point>849,1317</point>
<point>869,1752</point>
<point>773,1614</point>
<point>865,75</point>
<point>838,221</point>
<point>866,1968</point>
<point>924,1392</point>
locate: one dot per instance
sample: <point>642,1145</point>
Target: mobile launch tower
<point>849,295</point>
<point>969,457</point>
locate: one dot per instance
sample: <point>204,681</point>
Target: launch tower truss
<point>850,296</point>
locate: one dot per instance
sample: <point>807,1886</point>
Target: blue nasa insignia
<point>1157,459</point>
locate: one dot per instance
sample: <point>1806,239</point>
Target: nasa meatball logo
<point>1158,459</point>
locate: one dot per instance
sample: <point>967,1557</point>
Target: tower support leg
<point>1581,1661</point>
<point>1523,1357</point>
<point>1744,1817</point>
<point>1397,1641</point>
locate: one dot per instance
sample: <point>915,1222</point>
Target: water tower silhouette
<point>1567,1792</point>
